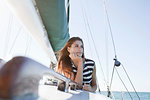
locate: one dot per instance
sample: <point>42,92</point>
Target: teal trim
<point>54,17</point>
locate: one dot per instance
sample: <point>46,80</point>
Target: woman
<point>75,66</point>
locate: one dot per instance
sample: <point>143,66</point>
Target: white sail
<point>27,14</point>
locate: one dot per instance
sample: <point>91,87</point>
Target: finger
<point>86,85</point>
<point>85,88</point>
<point>75,55</point>
<point>71,55</point>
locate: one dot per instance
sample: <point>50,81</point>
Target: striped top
<point>87,70</point>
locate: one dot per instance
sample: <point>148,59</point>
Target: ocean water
<point>126,96</point>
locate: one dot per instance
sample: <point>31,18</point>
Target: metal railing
<point>59,77</point>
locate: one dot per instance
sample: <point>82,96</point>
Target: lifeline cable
<point>131,82</point>
<point>123,84</point>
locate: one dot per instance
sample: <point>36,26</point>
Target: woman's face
<point>76,48</point>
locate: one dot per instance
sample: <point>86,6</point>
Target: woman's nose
<point>80,48</point>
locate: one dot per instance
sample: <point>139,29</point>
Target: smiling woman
<point>73,64</point>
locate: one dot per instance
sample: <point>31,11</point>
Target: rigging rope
<point>15,39</point>
<point>131,82</point>
<point>86,28</point>
<point>112,77</point>
<point>90,31</point>
<point>28,44</point>
<point>117,63</point>
<point>123,83</point>
<point>99,90</point>
<point>113,42</point>
<point>8,35</point>
<point>107,57</point>
<point>85,24</point>
<point>110,28</point>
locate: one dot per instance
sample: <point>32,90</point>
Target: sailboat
<point>21,77</point>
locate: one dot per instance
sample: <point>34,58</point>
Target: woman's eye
<point>76,45</point>
<point>79,46</point>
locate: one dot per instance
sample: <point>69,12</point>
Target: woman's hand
<point>77,60</point>
<point>93,86</point>
<point>87,87</point>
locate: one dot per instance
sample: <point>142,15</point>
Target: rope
<point>28,44</point>
<point>86,29</point>
<point>131,82</point>
<point>111,33</point>
<point>15,40</point>
<point>105,8</point>
<point>95,46</point>
<point>106,45</point>
<point>8,35</point>
<point>113,42</point>
<point>107,57</point>
<point>123,84</point>
<point>112,77</point>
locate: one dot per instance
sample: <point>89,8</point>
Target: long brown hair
<point>65,59</point>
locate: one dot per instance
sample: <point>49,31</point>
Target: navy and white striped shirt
<point>87,70</point>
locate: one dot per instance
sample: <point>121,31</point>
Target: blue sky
<point>130,21</point>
